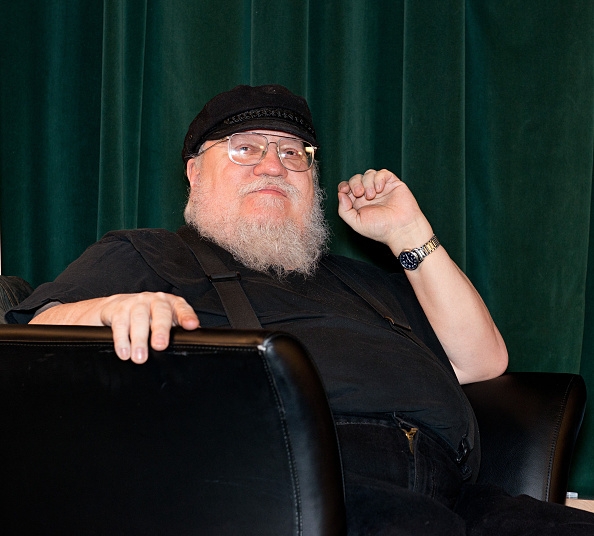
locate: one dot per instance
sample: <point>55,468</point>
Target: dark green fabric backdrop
<point>485,108</point>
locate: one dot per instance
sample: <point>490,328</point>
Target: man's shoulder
<point>164,251</point>
<point>147,239</point>
<point>156,246</point>
<point>148,234</point>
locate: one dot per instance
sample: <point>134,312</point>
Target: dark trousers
<point>398,484</point>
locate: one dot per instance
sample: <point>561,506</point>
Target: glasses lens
<point>249,149</point>
<point>295,154</point>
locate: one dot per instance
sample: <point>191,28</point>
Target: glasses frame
<point>265,151</point>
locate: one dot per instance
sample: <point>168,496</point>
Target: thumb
<point>345,209</point>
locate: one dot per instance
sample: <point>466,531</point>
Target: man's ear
<point>192,171</point>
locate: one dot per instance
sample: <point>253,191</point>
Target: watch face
<point>408,260</point>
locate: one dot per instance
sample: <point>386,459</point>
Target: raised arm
<point>131,317</point>
<point>379,206</point>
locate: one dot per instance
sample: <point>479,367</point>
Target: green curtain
<point>485,108</point>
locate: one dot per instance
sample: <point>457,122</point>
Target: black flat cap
<point>270,107</point>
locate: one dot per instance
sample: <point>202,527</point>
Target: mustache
<point>266,181</point>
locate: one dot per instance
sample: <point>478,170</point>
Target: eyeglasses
<point>250,148</point>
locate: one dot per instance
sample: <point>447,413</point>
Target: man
<point>392,349</point>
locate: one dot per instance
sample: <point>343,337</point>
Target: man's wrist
<point>410,259</point>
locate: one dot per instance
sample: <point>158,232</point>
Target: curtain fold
<point>485,109</point>
<point>122,77</point>
<point>50,91</point>
<point>433,110</point>
<point>582,474</point>
<point>530,174</point>
<point>355,89</point>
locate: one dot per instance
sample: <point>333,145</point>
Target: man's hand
<point>131,317</point>
<point>378,205</point>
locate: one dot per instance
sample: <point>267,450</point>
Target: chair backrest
<point>226,432</point>
<point>529,423</point>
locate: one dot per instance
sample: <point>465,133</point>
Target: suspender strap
<point>237,307</point>
<point>395,316</point>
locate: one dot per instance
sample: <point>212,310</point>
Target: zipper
<point>410,435</point>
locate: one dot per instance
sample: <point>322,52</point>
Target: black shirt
<point>366,366</point>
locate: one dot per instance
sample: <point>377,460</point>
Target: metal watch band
<point>427,248</point>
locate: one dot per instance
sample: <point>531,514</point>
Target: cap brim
<point>264,124</point>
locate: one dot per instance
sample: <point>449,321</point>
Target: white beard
<point>259,243</point>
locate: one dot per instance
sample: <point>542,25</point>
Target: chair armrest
<point>528,422</point>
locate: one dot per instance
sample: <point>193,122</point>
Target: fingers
<point>167,312</point>
<point>346,209</point>
<point>120,328</point>
<point>371,182</point>
<point>367,185</point>
<point>377,205</point>
<point>140,321</point>
<point>161,318</point>
<point>133,317</point>
<point>185,316</point>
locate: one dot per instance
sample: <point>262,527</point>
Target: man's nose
<point>270,164</point>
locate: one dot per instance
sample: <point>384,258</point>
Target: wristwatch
<point>411,258</point>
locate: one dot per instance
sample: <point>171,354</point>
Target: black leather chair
<point>225,433</point>
<point>528,421</point>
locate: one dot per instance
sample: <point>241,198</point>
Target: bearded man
<point>392,349</point>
